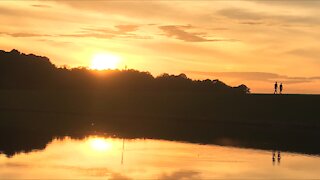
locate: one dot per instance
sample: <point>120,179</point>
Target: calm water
<point>111,158</point>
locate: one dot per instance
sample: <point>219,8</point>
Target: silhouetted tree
<point>21,71</point>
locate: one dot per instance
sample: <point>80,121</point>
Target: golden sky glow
<point>250,42</point>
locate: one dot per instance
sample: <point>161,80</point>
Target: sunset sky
<point>239,42</point>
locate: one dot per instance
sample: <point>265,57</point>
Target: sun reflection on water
<point>99,144</point>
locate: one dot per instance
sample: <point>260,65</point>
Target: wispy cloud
<point>252,16</point>
<point>41,6</point>
<point>131,9</point>
<point>252,23</point>
<point>257,76</point>
<point>23,34</point>
<point>311,4</point>
<point>180,32</point>
<point>311,53</point>
<point>119,31</point>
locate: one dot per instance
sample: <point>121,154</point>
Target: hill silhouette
<point>21,71</point>
<point>39,101</point>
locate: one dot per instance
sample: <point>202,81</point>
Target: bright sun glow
<point>100,144</point>
<point>104,61</point>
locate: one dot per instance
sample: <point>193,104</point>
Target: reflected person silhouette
<point>279,157</point>
<point>273,157</point>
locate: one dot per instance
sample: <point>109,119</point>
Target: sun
<point>104,61</point>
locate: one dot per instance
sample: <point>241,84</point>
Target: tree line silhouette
<point>21,71</point>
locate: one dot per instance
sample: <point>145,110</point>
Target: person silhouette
<point>275,87</point>
<point>281,87</point>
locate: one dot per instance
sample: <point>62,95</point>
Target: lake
<point>112,158</point>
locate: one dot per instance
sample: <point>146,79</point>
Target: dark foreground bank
<point>30,118</point>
